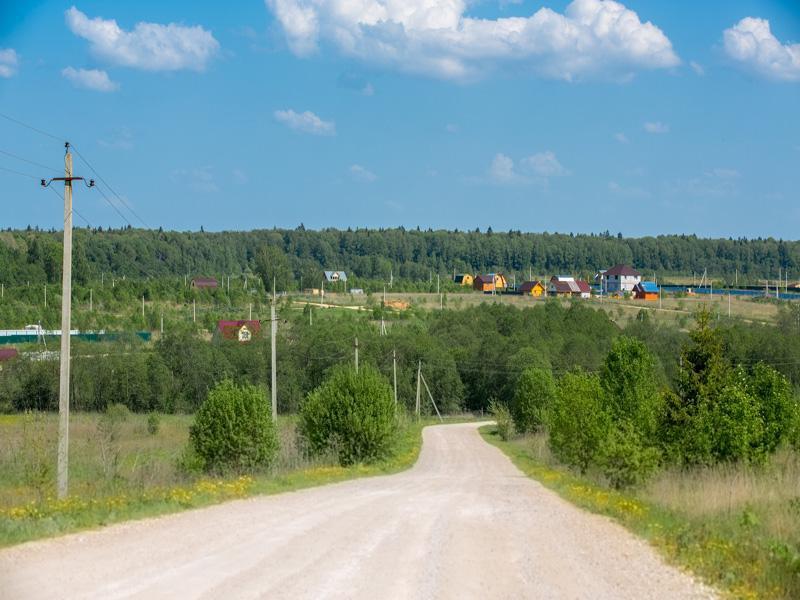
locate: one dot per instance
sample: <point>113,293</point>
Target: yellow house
<point>464,279</point>
<point>533,288</point>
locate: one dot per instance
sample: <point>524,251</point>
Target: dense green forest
<point>299,254</point>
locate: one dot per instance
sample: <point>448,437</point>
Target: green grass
<point>732,547</point>
<point>148,482</point>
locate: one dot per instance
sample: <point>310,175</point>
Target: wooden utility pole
<point>45,295</point>
<point>91,300</point>
<point>62,476</point>
<point>356,356</point>
<point>142,307</point>
<point>274,361</point>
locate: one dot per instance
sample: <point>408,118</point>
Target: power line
<point>20,173</point>
<point>31,127</point>
<point>120,198</point>
<point>30,162</point>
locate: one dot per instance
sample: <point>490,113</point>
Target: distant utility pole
<point>419,375</point>
<point>356,356</point>
<point>394,373</point>
<point>194,311</point>
<point>45,295</point>
<point>66,325</point>
<point>250,313</point>
<point>91,300</point>
<point>142,307</point>
<point>274,361</point>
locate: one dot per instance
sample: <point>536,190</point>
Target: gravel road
<point>463,523</point>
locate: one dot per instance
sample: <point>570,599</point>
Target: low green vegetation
<point>352,414</point>
<point>148,477</point>
<point>734,525</point>
<point>233,430</point>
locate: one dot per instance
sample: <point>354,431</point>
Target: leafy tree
<point>272,266</point>
<point>233,428</point>
<point>352,414</point>
<point>533,398</point>
<point>578,422</point>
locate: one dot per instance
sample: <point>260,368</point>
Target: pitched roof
<point>204,282</point>
<point>527,286</point>
<point>623,271</point>
<point>650,287</point>
<point>335,276</point>
<point>574,286</point>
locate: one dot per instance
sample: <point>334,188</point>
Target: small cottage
<point>464,279</point>
<point>562,286</point>
<point>533,288</point>
<point>242,331</point>
<point>334,276</point>
<point>205,283</point>
<point>646,290</point>
<point>491,282</point>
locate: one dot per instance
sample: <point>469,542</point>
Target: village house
<point>620,279</point>
<point>243,331</point>
<point>562,286</point>
<point>646,290</point>
<point>464,279</point>
<point>334,276</point>
<point>532,288</point>
<point>204,283</point>
<point>491,282</point>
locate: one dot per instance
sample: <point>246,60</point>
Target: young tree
<point>578,422</point>
<point>533,398</point>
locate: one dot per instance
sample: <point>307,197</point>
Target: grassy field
<point>736,526</point>
<point>136,474</point>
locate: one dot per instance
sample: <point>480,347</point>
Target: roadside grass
<point>147,480</point>
<point>736,527</point>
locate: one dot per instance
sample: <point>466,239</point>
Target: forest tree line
<point>299,255</point>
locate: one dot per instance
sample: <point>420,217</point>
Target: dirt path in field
<point>463,523</point>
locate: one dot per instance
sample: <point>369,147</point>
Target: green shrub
<point>578,424</point>
<point>625,458</point>
<point>352,414</point>
<point>233,428</point>
<point>502,416</point>
<point>153,423</point>
<point>532,399</point>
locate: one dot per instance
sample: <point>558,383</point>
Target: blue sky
<point>642,117</point>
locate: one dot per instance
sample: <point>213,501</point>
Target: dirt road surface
<point>463,523</point>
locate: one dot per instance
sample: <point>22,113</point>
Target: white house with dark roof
<point>620,279</point>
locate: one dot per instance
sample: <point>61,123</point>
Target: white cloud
<point>751,43</point>
<point>656,127</point>
<point>502,169</point>
<point>697,68</point>
<point>621,138</point>
<point>545,164</point>
<point>198,179</point>
<point>435,37</point>
<point>306,122</point>
<point>149,46</point>
<point>362,174</point>
<point>90,79</point>
<point>121,139</point>
<point>9,61</point>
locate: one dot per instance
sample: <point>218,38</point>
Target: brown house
<point>491,282</point>
<point>205,283</point>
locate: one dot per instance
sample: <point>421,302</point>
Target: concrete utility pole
<point>66,325</point>
<point>274,361</point>
<point>91,300</point>
<point>45,295</point>
<point>162,322</point>
<point>356,356</point>
<point>419,375</point>
<point>142,307</point>
<point>250,312</point>
<point>194,311</point>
